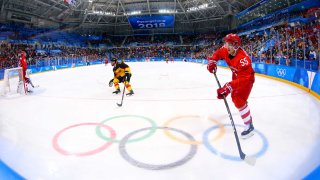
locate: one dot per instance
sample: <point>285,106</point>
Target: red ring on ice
<point>57,147</point>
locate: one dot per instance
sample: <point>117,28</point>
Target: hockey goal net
<point>13,82</point>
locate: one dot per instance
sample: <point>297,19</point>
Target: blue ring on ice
<point>230,157</point>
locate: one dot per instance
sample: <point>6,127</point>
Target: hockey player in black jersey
<point>122,74</point>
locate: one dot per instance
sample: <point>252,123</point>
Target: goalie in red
<point>242,78</point>
<point>25,78</point>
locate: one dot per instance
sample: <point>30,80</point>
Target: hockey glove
<point>212,66</point>
<point>111,83</point>
<point>224,91</point>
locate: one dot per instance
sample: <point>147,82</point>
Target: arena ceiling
<point>111,16</point>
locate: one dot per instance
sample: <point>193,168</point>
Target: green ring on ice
<point>153,128</point>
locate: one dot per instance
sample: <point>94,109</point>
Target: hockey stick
<point>124,88</point>
<point>30,82</point>
<point>251,160</point>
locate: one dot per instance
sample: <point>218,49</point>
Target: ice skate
<point>130,93</point>
<point>248,131</point>
<point>116,91</point>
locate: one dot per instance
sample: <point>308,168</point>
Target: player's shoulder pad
<point>123,65</point>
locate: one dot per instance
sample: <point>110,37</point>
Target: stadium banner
<point>316,83</point>
<point>64,66</point>
<point>151,22</point>
<point>78,64</point>
<point>34,70</point>
<point>301,77</point>
<point>1,74</point>
<point>282,72</point>
<point>46,68</point>
<point>200,61</point>
<point>259,68</point>
<point>97,61</point>
<point>307,64</point>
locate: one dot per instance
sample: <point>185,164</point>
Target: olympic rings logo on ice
<point>111,137</point>
<point>281,72</point>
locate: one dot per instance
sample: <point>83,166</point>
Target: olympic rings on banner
<point>230,157</point>
<point>281,72</point>
<point>57,147</point>
<point>166,124</point>
<point>126,156</point>
<point>152,129</point>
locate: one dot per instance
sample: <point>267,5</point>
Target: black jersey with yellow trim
<point>120,68</point>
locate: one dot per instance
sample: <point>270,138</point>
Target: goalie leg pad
<point>20,85</point>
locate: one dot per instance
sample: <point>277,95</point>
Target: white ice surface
<point>288,117</point>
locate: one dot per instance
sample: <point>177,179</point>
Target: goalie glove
<point>111,83</point>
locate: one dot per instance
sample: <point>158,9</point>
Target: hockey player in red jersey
<point>242,78</point>
<point>24,66</point>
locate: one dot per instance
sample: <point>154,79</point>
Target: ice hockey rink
<point>173,127</point>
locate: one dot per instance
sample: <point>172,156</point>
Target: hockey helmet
<point>233,39</point>
<point>114,59</point>
<point>22,53</point>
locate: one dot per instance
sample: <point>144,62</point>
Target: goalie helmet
<point>23,53</point>
<point>233,40</point>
